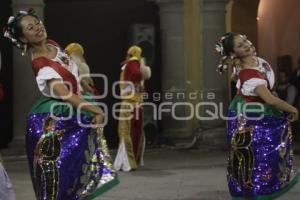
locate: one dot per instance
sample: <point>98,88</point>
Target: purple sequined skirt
<point>260,163</point>
<point>67,161</point>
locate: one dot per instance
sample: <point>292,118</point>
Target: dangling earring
<point>24,51</point>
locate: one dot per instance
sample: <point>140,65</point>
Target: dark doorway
<point>103,28</point>
<point>6,128</point>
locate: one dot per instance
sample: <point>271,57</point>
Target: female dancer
<point>261,159</point>
<point>63,135</point>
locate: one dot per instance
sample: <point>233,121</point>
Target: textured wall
<point>278,29</point>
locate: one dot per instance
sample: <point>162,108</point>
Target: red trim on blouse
<point>247,74</point>
<point>66,75</point>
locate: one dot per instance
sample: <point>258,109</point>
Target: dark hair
<point>225,47</point>
<point>14,31</point>
<point>228,43</point>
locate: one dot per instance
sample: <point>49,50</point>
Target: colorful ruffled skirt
<point>260,163</point>
<point>68,160</point>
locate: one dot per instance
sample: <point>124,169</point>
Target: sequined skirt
<point>67,161</point>
<point>260,162</point>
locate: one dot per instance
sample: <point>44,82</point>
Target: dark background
<point>103,28</point>
<point>6,127</point>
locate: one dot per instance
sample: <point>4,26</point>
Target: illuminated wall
<point>278,29</point>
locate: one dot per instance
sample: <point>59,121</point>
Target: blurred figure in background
<point>6,190</point>
<point>76,52</point>
<point>131,133</point>
<point>285,90</point>
<point>294,79</point>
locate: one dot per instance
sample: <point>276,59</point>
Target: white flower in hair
<point>6,34</point>
<point>244,36</point>
<point>234,71</point>
<point>23,12</point>
<point>220,69</point>
<point>10,19</point>
<point>219,48</point>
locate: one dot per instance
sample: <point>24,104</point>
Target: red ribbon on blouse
<point>66,75</point>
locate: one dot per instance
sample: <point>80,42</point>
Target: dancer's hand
<point>293,116</point>
<point>87,85</point>
<point>98,120</point>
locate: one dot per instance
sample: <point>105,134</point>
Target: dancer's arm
<point>263,92</point>
<point>60,90</point>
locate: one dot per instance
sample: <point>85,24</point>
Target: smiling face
<point>253,50</point>
<point>33,30</point>
<point>242,47</point>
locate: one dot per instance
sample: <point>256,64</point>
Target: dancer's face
<point>242,47</point>
<point>33,30</point>
<point>253,50</point>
